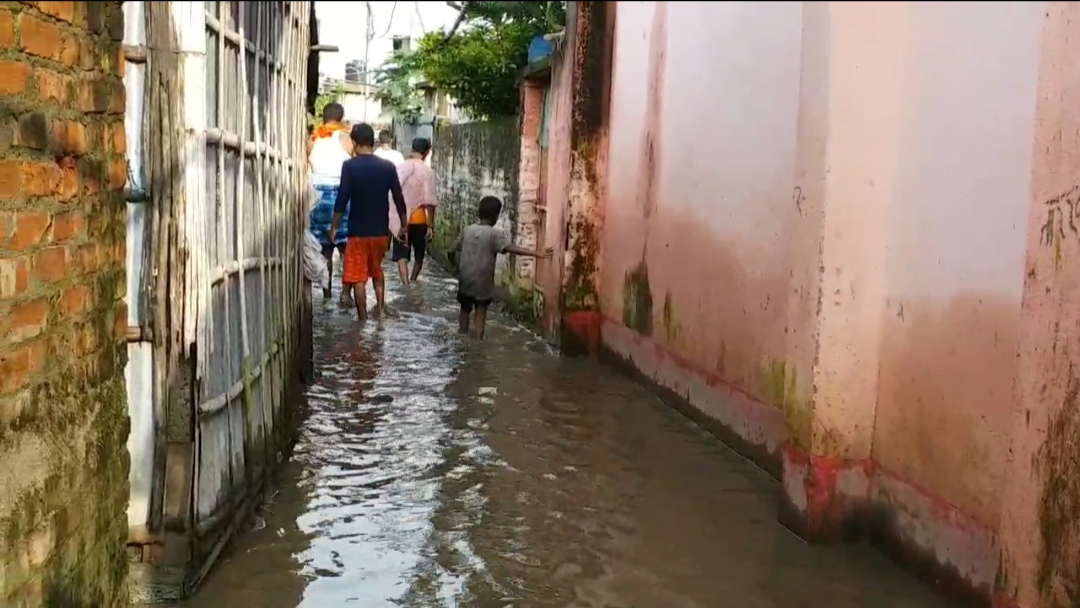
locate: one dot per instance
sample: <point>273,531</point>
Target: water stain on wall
<point>1059,506</point>
<point>729,317</point>
<point>945,397</point>
<point>649,170</point>
<point>637,300</point>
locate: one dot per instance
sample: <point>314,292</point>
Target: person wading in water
<point>328,149</point>
<point>418,184</point>
<point>367,182</point>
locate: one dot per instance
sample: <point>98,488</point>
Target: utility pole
<point>369,33</point>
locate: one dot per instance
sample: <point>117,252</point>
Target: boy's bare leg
<point>330,273</point>
<point>360,299</point>
<point>403,271</point>
<point>346,288</point>
<point>481,321</point>
<point>380,295</point>
<point>463,321</point>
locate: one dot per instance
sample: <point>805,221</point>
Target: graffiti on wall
<point>1062,215</point>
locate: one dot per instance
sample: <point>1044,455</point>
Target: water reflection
<point>432,472</point>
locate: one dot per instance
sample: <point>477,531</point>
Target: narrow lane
<point>435,472</point>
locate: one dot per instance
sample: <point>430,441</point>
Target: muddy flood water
<point>436,472</point>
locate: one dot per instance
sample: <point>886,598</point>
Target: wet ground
<point>436,472</point>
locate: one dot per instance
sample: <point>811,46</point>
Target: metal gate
<point>245,273</point>
<point>224,122</point>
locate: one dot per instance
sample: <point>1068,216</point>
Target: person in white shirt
<point>328,148</point>
<point>386,148</point>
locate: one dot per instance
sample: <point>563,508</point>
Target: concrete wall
<point>474,160</point>
<point>951,319</point>
<point>63,413</point>
<point>1040,518</point>
<point>812,225</point>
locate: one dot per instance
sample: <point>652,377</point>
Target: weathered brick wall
<point>474,160</point>
<point>63,413</point>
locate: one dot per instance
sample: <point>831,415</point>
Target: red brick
<point>30,229</point>
<point>64,11</point>
<point>98,95</point>
<point>10,179</point>
<point>51,87</point>
<point>7,29</point>
<point>69,50</point>
<point>68,226</point>
<point>22,275</point>
<point>40,179</point>
<point>17,365</point>
<point>51,265</point>
<point>88,340</point>
<point>91,258</point>
<point>13,77</point>
<point>74,301</point>
<point>69,183</point>
<point>120,325</point>
<point>118,99</point>
<point>40,37</point>
<point>27,320</point>
<point>14,276</point>
<point>117,173</point>
<point>119,138</point>
<point>68,137</point>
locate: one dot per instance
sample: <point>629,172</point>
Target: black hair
<point>385,137</point>
<point>363,135</point>
<point>333,112</point>
<point>489,209</point>
<point>421,145</point>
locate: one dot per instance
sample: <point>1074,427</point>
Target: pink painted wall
<point>700,163</point>
<point>732,260</point>
<point>1040,521</point>
<point>955,246</point>
<point>557,188</point>
<point>860,213</point>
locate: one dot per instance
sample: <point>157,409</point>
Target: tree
<point>330,95</point>
<point>478,61</point>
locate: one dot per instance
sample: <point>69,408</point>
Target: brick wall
<point>474,160</point>
<point>63,413</point>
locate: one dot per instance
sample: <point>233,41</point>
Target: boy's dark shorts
<point>328,250</point>
<point>417,234</point>
<point>468,303</point>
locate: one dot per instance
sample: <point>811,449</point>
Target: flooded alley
<point>431,471</point>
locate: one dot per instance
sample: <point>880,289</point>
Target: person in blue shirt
<point>367,183</point>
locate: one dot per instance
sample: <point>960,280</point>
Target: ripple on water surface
<point>433,472</point>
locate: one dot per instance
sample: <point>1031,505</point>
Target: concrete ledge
<point>830,500</point>
<point>751,428</point>
<point>822,499</point>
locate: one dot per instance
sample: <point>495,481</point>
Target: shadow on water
<point>436,472</point>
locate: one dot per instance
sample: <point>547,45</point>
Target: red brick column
<point>63,321</point>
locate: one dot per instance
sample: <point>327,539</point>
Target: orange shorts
<point>363,259</point>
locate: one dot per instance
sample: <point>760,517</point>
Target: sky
<point>342,24</point>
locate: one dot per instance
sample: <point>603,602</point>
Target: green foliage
<point>478,63</point>
<point>396,90</point>
<point>331,95</point>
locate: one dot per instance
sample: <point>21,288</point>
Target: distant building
<point>356,71</point>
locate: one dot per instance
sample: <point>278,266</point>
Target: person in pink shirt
<point>419,186</point>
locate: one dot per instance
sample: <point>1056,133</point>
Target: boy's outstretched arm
<point>455,250</point>
<point>514,249</point>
